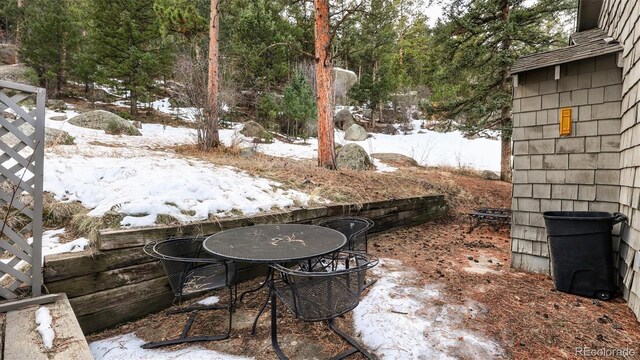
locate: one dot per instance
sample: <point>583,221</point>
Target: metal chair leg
<point>184,336</point>
<point>357,347</point>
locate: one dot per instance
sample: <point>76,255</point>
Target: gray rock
<point>104,120</point>
<point>254,130</point>
<point>389,130</point>
<point>100,95</point>
<point>395,159</point>
<point>367,113</point>
<point>53,137</point>
<point>343,81</point>
<point>354,157</point>
<point>137,124</point>
<point>490,175</point>
<point>18,73</point>
<point>56,105</point>
<point>59,118</point>
<point>247,152</point>
<point>343,119</point>
<point>8,54</point>
<point>356,133</point>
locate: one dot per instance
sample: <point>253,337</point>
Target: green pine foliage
<point>127,46</point>
<point>299,107</point>
<point>474,49</point>
<point>50,38</point>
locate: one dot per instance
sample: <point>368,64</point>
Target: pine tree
<point>49,40</point>
<point>127,45</point>
<point>473,51</point>
<point>324,85</point>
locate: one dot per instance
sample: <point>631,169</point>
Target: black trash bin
<point>581,251</point>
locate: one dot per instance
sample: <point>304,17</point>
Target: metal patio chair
<point>354,228</point>
<point>322,295</point>
<point>191,270</point>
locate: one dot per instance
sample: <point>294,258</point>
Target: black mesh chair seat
<point>191,270</point>
<point>354,228</point>
<point>325,292</point>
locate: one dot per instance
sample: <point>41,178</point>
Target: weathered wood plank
<point>133,309</point>
<point>68,265</point>
<point>2,321</point>
<point>118,239</point>
<point>69,343</point>
<point>87,284</point>
<point>16,305</point>
<point>22,341</point>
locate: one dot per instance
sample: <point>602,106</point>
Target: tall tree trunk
<point>212,137</point>
<point>19,29</point>
<point>505,115</point>
<point>324,81</point>
<point>133,105</point>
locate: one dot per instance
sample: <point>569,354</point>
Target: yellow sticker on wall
<point>565,122</point>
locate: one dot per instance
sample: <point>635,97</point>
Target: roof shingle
<point>586,44</point>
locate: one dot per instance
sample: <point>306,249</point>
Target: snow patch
<point>399,320</point>
<point>44,320</point>
<point>144,187</point>
<point>211,300</point>
<point>128,347</point>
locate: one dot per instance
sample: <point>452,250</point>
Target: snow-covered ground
<point>400,320</point>
<point>428,148</point>
<point>134,176</point>
<point>138,177</point>
<point>128,347</point>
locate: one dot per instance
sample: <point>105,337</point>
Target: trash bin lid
<point>577,215</point>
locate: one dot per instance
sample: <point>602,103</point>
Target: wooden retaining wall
<point>117,282</point>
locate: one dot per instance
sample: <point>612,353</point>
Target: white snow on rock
<point>144,187</point>
<point>44,320</point>
<point>128,347</point>
<point>399,320</point>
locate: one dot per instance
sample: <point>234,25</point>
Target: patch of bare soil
<point>524,313</point>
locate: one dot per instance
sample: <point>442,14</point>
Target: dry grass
<point>347,186</point>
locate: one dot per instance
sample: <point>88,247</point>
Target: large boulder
<point>490,175</point>
<point>354,157</point>
<point>19,73</point>
<point>343,119</point>
<point>8,54</point>
<point>56,105</point>
<point>395,159</point>
<point>54,137</point>
<point>254,130</point>
<point>104,120</point>
<point>389,130</point>
<point>343,81</point>
<point>356,133</point>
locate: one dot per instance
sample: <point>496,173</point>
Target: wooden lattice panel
<point>21,196</point>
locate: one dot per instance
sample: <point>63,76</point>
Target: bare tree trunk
<point>19,29</point>
<point>505,115</point>
<point>211,137</point>
<point>324,81</point>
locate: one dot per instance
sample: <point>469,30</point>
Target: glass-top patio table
<point>273,244</point>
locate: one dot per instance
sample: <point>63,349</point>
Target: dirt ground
<point>522,312</point>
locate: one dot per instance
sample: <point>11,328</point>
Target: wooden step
<point>22,340</point>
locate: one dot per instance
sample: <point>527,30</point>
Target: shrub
<point>298,107</point>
